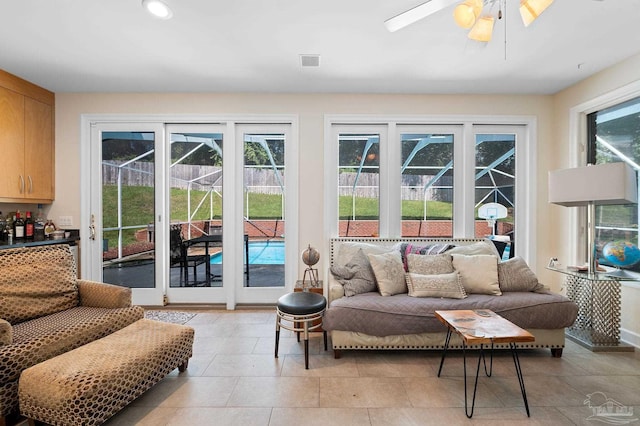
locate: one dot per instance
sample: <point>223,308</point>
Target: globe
<point>621,253</point>
<point>310,256</point>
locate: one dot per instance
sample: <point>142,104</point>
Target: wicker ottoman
<point>89,384</point>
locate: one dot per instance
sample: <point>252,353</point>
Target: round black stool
<point>304,311</point>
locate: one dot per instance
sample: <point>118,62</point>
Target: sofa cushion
<point>42,338</point>
<point>36,282</point>
<point>356,276</point>
<point>441,285</point>
<point>430,265</point>
<point>406,249</point>
<point>389,272</point>
<point>479,273</point>
<point>515,275</point>
<point>375,315</point>
<point>6,332</point>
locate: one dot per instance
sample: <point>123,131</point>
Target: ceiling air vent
<point>310,60</point>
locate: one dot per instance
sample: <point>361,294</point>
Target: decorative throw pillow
<point>514,275</point>
<point>479,273</point>
<point>441,285</point>
<point>348,249</point>
<point>431,249</point>
<point>481,247</point>
<point>356,276</point>
<point>389,273</point>
<point>430,265</point>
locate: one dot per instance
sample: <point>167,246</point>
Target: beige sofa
<point>372,321</point>
<point>45,310</point>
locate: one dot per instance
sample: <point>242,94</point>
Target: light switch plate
<point>64,221</point>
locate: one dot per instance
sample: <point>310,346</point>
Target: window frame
<point>464,163</point>
<point>578,151</point>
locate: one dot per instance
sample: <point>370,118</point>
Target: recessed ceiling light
<point>157,8</point>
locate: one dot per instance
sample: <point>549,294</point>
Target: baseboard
<point>630,338</point>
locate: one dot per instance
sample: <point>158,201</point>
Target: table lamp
<point>591,186</point>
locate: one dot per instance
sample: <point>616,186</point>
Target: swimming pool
<point>260,253</point>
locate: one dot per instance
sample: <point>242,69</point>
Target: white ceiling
<point>254,46</point>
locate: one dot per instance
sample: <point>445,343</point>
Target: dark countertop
<point>71,241</point>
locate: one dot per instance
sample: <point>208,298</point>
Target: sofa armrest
<point>336,290</point>
<point>6,332</point>
<point>103,295</point>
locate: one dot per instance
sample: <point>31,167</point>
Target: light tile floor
<point>234,379</point>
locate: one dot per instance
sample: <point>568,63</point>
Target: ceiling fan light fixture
<point>466,13</point>
<point>483,29</point>
<point>531,9</point>
<point>158,9</point>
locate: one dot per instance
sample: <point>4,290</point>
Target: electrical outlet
<point>65,221</point>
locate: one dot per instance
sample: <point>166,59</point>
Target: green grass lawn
<point>138,204</point>
<point>368,208</point>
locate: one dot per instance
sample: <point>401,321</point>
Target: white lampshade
<point>531,9</point>
<point>483,29</point>
<point>610,183</point>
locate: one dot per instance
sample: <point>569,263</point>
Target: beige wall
<point>552,140</point>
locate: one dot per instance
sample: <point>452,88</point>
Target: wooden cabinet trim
<point>26,88</point>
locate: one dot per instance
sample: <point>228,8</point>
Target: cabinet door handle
<point>21,184</point>
<point>30,185</point>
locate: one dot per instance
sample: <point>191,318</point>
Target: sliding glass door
<point>268,218</point>
<point>194,195</point>
<point>191,213</point>
<point>124,215</point>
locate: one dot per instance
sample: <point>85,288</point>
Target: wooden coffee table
<point>483,327</point>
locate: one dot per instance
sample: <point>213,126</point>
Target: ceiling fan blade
<point>419,12</point>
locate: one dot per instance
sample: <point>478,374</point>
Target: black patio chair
<point>180,258</point>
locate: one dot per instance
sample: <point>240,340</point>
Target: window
<point>427,177</point>
<point>614,136</point>
<point>358,184</point>
<point>495,175</point>
<point>427,185</point>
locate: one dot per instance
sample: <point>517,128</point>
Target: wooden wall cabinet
<point>27,159</point>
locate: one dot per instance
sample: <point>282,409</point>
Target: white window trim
<point>526,179</point>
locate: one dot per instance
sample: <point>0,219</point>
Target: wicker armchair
<point>45,310</point>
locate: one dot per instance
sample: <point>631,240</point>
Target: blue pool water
<point>260,253</point>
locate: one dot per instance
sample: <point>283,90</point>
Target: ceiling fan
<point>466,14</point>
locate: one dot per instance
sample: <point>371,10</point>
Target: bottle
<point>18,228</point>
<point>49,227</point>
<point>28,227</point>
<point>38,231</point>
<point>3,230</point>
<point>9,228</point>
